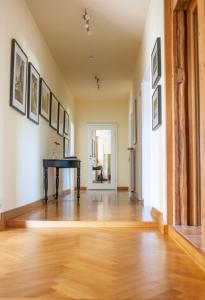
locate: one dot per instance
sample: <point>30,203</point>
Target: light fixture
<point>86,18</point>
<point>97,79</point>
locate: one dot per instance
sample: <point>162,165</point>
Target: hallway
<point>98,264</point>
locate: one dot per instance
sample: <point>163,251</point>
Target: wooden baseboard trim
<point>158,216</point>
<point>13,213</point>
<point>79,224</point>
<point>122,188</point>
<point>82,188</point>
<point>195,254</point>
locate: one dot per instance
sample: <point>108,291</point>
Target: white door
<point>146,101</point>
<point>101,162</point>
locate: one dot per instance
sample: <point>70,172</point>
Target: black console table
<point>72,162</point>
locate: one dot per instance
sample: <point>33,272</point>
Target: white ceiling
<point>116,26</point>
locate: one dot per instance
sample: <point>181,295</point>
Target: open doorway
<point>101,164</point>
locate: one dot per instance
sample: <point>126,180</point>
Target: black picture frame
<point>66,147</point>
<point>33,104</point>
<point>61,112</point>
<point>44,88</point>
<point>157,108</point>
<point>54,112</point>
<point>66,124</point>
<point>18,90</point>
<point>156,62</point>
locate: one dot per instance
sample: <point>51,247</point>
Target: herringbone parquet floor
<point>103,264</point>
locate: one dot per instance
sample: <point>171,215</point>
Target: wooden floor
<point>192,234</point>
<point>97,206</point>
<point>103,264</point>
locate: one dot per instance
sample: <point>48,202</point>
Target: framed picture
<point>33,93</point>
<point>66,124</point>
<point>60,119</point>
<point>45,99</point>
<point>54,112</point>
<point>156,108</point>
<point>156,63</point>
<point>135,122</point>
<point>66,147</point>
<point>18,81</point>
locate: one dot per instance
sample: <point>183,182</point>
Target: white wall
<point>103,112</point>
<point>154,27</point>
<point>23,144</point>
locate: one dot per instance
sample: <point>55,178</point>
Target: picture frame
<point>60,119</point>
<point>66,147</point>
<point>33,94</point>
<point>54,112</point>
<point>18,78</point>
<point>156,108</point>
<point>45,100</point>
<point>156,62</point>
<point>66,124</point>
<point>135,122</point>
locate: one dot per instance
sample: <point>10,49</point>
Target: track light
<point>86,18</point>
<point>97,79</point>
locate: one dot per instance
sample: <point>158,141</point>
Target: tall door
<point>187,116</point>
<point>101,161</point>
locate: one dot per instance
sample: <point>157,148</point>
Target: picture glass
<point>18,78</point>
<point>33,96</point>
<point>54,112</point>
<point>66,148</point>
<point>45,101</point>
<point>156,63</point>
<point>66,124</point>
<point>156,108</point>
<point>60,120</point>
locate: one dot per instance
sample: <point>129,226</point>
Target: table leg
<point>57,182</point>
<point>46,184</point>
<point>78,184</point>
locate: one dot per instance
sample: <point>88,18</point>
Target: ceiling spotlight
<point>97,79</point>
<point>86,18</point>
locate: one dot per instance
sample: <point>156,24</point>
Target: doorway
<point>101,163</point>
<point>146,113</point>
<point>182,32</point>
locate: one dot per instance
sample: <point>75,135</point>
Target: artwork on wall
<point>45,98</point>
<point>33,94</point>
<point>135,122</point>
<point>54,112</point>
<point>60,119</point>
<point>156,108</point>
<point>156,63</point>
<point>18,84</point>
<point>66,123</point>
<point>66,147</point>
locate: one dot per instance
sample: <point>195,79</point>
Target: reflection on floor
<point>193,234</point>
<point>105,264</point>
<point>94,206</point>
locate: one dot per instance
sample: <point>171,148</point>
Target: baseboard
<point>80,224</point>
<point>122,188</point>
<point>158,216</point>
<point>13,213</point>
<point>195,254</point>
<point>82,188</point>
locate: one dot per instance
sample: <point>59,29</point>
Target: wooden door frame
<point>176,124</point>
